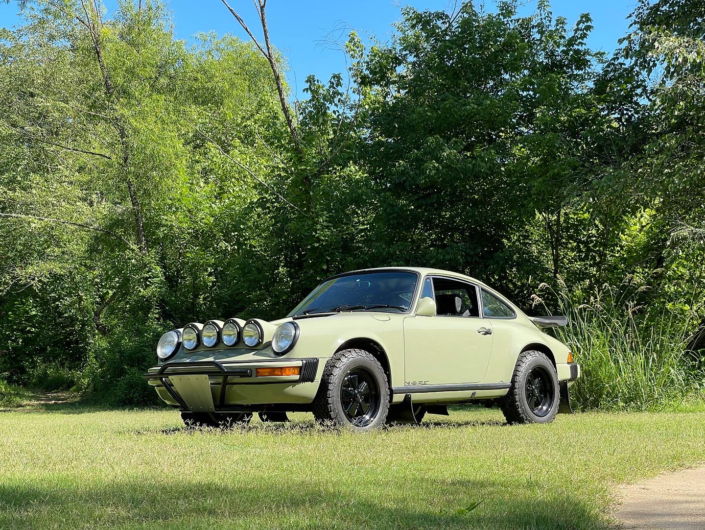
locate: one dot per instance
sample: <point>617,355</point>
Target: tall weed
<point>632,357</point>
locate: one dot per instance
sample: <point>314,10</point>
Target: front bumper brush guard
<point>162,376</point>
<point>309,367</point>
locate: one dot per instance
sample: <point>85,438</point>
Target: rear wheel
<point>534,395</point>
<point>354,392</point>
<point>208,419</point>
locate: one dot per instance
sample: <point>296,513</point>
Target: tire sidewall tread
<point>514,405</point>
<point>327,407</point>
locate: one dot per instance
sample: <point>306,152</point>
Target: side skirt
<point>462,387</point>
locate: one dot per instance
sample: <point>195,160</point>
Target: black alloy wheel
<point>353,393</point>
<point>540,393</point>
<point>360,397</point>
<point>534,393</point>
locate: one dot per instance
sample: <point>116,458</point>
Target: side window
<point>493,307</point>
<point>427,289</point>
<point>455,298</point>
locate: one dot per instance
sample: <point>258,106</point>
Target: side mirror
<point>426,307</point>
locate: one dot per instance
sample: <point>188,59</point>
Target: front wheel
<point>534,395</point>
<point>354,392</point>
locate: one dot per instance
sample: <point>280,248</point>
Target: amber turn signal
<point>570,356</point>
<point>278,372</point>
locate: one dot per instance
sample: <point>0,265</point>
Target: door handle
<point>484,331</point>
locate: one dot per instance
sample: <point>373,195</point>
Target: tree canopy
<point>146,182</point>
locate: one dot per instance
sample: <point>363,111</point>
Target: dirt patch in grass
<point>32,401</point>
<point>670,501</point>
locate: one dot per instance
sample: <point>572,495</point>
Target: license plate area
<point>195,390</point>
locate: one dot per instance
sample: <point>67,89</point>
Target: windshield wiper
<point>381,306</point>
<point>336,309</point>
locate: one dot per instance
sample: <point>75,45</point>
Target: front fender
<point>323,336</point>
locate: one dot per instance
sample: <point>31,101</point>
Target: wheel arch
<point>537,346</point>
<point>372,346</point>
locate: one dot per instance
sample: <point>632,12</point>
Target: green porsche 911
<point>366,348</point>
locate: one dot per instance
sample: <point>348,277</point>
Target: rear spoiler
<point>549,322</point>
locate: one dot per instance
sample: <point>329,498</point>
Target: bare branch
<point>260,5</point>
<point>68,223</point>
<point>95,38</point>
<point>247,29</point>
<point>249,171</point>
<point>65,147</point>
<point>454,14</point>
<point>277,77</point>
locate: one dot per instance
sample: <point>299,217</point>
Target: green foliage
<point>12,395</point>
<point>145,183</point>
<point>51,376</point>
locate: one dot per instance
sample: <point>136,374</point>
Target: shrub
<point>52,377</point>
<point>632,357</point>
<point>12,395</point>
<point>132,389</point>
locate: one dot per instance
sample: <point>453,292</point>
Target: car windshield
<point>391,291</point>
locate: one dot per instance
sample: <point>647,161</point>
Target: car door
<point>503,320</point>
<point>455,345</point>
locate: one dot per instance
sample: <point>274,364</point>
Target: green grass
<point>77,467</point>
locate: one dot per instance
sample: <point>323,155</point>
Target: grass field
<point>67,466</point>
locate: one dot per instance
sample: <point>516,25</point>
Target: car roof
<point>423,271</point>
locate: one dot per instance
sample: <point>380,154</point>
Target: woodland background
<point>146,183</point>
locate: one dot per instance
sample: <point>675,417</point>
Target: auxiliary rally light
<point>278,372</point>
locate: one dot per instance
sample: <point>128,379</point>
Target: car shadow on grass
<point>311,427</point>
<point>271,502</point>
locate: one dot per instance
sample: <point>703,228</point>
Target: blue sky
<point>298,27</point>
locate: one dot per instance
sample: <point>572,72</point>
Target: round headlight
<point>252,334</point>
<point>285,337</point>
<point>168,344</point>
<point>209,334</point>
<point>230,333</point>
<point>190,338</point>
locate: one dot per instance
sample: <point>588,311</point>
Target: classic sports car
<point>369,347</point>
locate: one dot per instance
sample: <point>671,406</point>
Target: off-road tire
<point>514,405</point>
<point>215,420</point>
<point>327,405</point>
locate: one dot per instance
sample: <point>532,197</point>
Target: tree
<point>108,184</point>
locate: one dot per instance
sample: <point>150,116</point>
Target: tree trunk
<point>554,237</point>
<point>138,217</point>
<point>92,24</point>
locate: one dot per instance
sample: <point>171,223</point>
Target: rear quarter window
<point>493,307</point>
